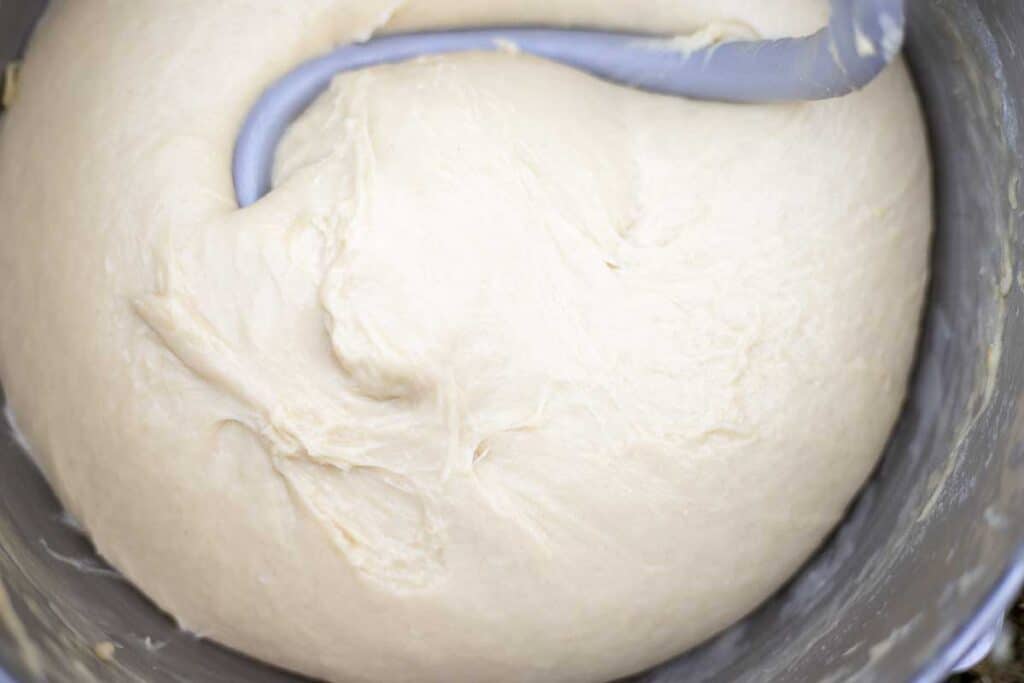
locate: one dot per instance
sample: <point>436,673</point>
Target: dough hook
<point>862,37</point>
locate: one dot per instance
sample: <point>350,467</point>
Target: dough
<point>516,375</point>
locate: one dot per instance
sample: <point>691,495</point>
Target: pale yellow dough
<point>516,375</point>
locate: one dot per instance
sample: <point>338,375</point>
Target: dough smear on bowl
<point>516,375</point>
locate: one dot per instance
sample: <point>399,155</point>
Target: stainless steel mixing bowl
<point>924,565</point>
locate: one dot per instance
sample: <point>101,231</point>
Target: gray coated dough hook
<point>862,37</point>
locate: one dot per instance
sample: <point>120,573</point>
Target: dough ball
<point>515,375</point>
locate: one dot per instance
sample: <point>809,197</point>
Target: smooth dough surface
<point>516,375</point>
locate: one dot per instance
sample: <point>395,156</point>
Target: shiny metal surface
<point>929,556</point>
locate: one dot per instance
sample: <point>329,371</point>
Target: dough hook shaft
<point>862,37</point>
